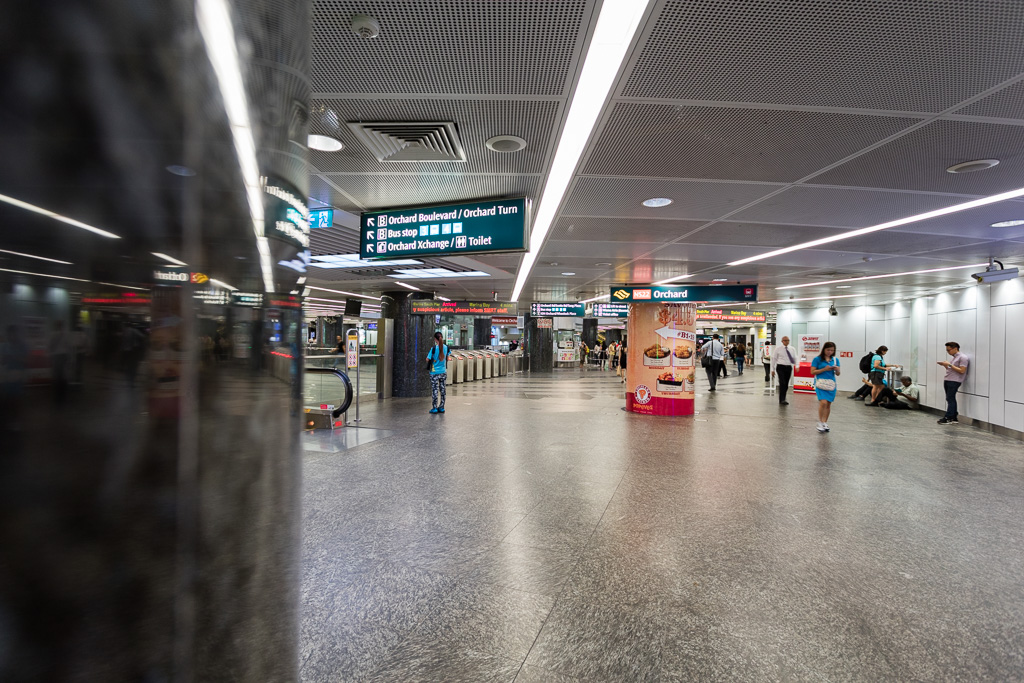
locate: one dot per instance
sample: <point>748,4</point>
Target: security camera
<point>993,274</point>
<point>365,26</point>
<point>832,310</point>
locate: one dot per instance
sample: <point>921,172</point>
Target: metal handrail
<point>337,412</point>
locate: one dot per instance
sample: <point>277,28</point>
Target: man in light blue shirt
<point>715,353</point>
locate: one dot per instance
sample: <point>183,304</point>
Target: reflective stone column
<point>481,332</point>
<point>540,345</point>
<point>589,334</point>
<point>413,337</point>
<point>152,194</point>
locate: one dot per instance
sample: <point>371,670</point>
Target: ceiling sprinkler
<point>365,26</point>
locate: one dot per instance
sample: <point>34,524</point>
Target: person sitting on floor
<point>907,397</point>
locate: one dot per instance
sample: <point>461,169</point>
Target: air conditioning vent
<point>403,141</point>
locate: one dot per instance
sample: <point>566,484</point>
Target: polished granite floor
<point>537,532</point>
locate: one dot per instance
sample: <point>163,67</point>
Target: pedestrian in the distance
<point>824,369</point>
<point>741,356</point>
<point>783,360</point>
<point>622,361</point>
<point>437,363</point>
<point>956,373</point>
<point>877,375</point>
<point>714,352</point>
<point>766,361</point>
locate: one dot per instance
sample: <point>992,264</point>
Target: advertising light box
<point>548,310</point>
<point>681,293</point>
<point>483,227</point>
<point>481,308</point>
<point>611,310</point>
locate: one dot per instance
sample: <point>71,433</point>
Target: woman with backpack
<point>876,373</point>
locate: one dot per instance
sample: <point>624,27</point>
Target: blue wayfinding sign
<point>481,227</point>
<point>321,218</point>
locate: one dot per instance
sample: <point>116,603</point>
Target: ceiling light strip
<point>596,298</point>
<point>984,201</point>
<point>217,30</point>
<point>169,259</point>
<point>407,286</point>
<point>877,277</point>
<point>338,291</point>
<point>616,26</point>
<point>672,279</point>
<point>56,216</point>
<point>811,298</point>
<point>40,258</point>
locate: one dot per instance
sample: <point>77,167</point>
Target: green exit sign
<point>484,227</point>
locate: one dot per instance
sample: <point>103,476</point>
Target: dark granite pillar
<point>149,483</point>
<point>589,334</point>
<point>612,336</point>
<point>481,332</point>
<point>414,335</point>
<point>539,344</point>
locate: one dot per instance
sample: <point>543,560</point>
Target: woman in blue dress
<point>824,369</point>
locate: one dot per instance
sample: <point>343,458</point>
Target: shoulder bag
<point>823,383</point>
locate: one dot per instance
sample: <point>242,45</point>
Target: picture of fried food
<point>656,351</point>
<point>690,377</point>
<point>683,351</point>
<point>667,377</point>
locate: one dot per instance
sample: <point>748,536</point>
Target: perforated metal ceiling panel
<point>526,47</point>
<point>919,159</point>
<point>476,120</point>
<point>1007,103</point>
<point>758,235</point>
<point>386,191</point>
<point>910,55</point>
<point>621,229</point>
<point>731,144</point>
<point>840,207</point>
<point>623,197</point>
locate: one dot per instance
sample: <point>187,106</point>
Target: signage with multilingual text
<point>544,310</point>
<point>491,226</point>
<point>481,308</point>
<point>726,315</point>
<point>611,310</point>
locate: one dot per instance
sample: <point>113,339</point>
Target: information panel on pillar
<point>481,227</point>
<point>550,310</point>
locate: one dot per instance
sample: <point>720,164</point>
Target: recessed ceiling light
<point>721,279</point>
<point>505,144</point>
<point>324,143</point>
<point>971,166</point>
<point>602,265</point>
<point>553,263</point>
<point>568,273</point>
<point>843,286</point>
<point>1008,224</point>
<point>183,171</point>
<point>657,201</point>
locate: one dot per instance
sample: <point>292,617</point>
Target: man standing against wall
<point>783,360</point>
<point>956,373</point>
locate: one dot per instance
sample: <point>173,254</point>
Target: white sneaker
<point>827,428</point>
<point>822,428</point>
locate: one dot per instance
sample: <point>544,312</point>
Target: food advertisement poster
<point>662,367</point>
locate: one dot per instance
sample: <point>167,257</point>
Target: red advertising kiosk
<point>808,346</point>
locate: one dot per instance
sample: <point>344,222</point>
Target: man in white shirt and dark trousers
<point>715,353</point>
<point>783,360</point>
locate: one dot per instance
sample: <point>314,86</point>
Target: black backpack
<point>865,362</point>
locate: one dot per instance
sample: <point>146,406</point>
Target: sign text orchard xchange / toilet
<point>497,225</point>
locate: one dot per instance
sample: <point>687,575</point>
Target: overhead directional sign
<point>548,310</point>
<point>680,293</point>
<point>611,310</point>
<point>726,315</point>
<point>483,227</point>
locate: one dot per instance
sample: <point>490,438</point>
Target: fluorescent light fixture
<point>596,298</point>
<point>330,301</point>
<point>657,202</point>
<point>301,280</point>
<point>721,279</point>
<point>55,277</point>
<point>169,259</point>
<point>1008,224</point>
<point>324,143</point>
<point>811,298</point>
<point>224,285</point>
<point>843,286</point>
<point>111,284</point>
<point>353,261</point>
<point>567,274</point>
<point>984,201</point>
<point>877,277</point>
<point>40,258</point>
<point>55,216</point>
<point>442,298</point>
<point>616,26</point>
<point>428,273</point>
<point>671,279</point>
<point>407,286</point>
<point>339,291</point>
<point>214,20</point>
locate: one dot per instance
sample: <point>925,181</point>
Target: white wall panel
<point>962,326</point>
<point>1007,292</point>
<point>997,368</point>
<point>1013,359</point>
<point>980,374</point>
<point>934,396</point>
<point>1014,415</point>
